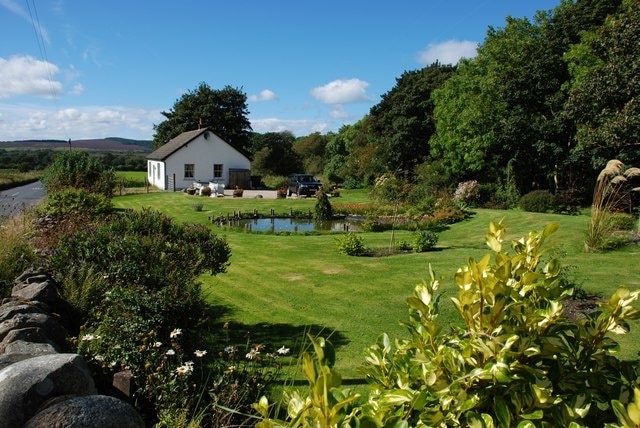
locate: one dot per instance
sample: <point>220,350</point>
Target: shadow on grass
<point>272,336</point>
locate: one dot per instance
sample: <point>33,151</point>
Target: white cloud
<point>449,52</point>
<point>25,75</point>
<point>338,112</point>
<point>342,92</point>
<point>295,126</point>
<point>21,122</point>
<point>77,89</point>
<point>264,95</point>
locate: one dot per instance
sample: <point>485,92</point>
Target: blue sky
<point>92,69</point>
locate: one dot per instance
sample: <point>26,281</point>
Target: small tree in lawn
<point>392,190</point>
<point>323,209</point>
<point>612,192</point>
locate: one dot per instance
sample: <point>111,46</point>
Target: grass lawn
<point>278,287</point>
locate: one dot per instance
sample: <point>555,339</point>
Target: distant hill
<point>109,144</point>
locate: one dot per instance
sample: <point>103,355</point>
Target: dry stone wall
<point>43,383</point>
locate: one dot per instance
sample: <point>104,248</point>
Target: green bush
<point>274,181</point>
<point>537,201</point>
<point>143,248</point>
<point>71,202</point>
<point>424,240</point>
<point>16,255</point>
<point>513,359</point>
<point>622,221</point>
<point>79,170</point>
<point>350,244</point>
<point>132,329</point>
<point>323,210</point>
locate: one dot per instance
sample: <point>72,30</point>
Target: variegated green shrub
<point>515,359</point>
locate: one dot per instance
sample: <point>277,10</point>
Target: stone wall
<point>42,382</point>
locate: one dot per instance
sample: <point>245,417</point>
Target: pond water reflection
<point>275,224</point>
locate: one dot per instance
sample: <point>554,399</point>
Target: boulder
<point>52,328</point>
<point>96,411</point>
<point>44,290</point>
<point>29,273</point>
<point>27,334</point>
<point>8,359</point>
<point>22,347</point>
<point>14,307</point>
<point>27,384</point>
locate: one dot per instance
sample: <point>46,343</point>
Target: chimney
<point>200,123</point>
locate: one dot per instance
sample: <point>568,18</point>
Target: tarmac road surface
<point>14,200</point>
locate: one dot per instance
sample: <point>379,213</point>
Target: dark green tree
<point>273,154</point>
<point>335,169</point>
<point>605,97</point>
<point>224,111</point>
<point>310,150</point>
<point>402,122</point>
<point>323,210</point>
<point>506,106</point>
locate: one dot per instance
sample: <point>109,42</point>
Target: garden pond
<point>292,224</point>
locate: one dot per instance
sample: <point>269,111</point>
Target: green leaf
<point>502,411</point>
<point>537,414</point>
<point>550,229</point>
<point>493,243</point>
<point>621,413</point>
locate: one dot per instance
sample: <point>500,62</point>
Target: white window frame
<point>189,171</point>
<point>220,172</point>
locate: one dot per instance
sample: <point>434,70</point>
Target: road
<point>14,200</point>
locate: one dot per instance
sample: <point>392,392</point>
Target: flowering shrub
<point>360,209</point>
<point>467,192</point>
<point>130,331</point>
<point>238,377</point>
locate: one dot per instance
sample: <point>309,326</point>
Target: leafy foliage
<point>72,202</point>
<point>224,111</point>
<point>424,240</point>
<point>323,210</point>
<point>604,97</point>
<point>350,244</point>
<point>144,248</point>
<point>402,122</point>
<point>537,201</point>
<point>273,154</point>
<point>78,170</point>
<point>311,149</point>
<point>513,360</point>
<point>326,405</point>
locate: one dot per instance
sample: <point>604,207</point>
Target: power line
<point>42,47</point>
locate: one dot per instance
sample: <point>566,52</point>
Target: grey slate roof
<point>166,150</point>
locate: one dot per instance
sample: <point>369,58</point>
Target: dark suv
<point>302,184</point>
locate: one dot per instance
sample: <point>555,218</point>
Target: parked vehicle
<point>302,185</point>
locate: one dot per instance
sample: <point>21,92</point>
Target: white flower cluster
<point>186,369</point>
<point>89,337</point>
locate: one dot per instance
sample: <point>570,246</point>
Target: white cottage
<point>198,156</point>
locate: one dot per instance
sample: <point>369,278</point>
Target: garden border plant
<point>516,359</point>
